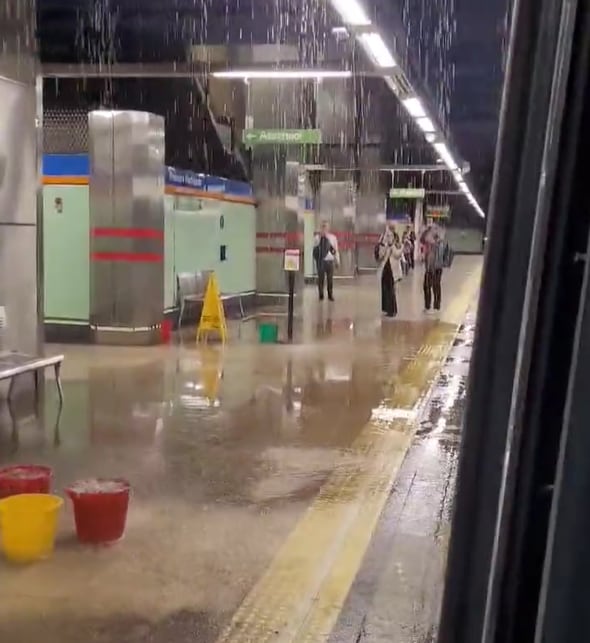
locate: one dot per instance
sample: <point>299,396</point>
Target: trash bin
<point>24,478</point>
<point>269,333</point>
<point>28,526</point>
<point>166,331</point>
<point>100,509</point>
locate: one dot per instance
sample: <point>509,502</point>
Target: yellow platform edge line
<point>300,596</point>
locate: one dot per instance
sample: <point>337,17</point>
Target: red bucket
<point>166,331</point>
<point>100,509</point>
<point>24,478</point>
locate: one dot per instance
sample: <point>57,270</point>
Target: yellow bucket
<point>28,524</point>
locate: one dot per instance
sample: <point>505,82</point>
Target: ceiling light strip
<point>352,12</point>
<point>282,74</point>
<point>376,49</point>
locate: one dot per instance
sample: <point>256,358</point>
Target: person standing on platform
<point>411,239</point>
<point>434,260</point>
<point>408,249</point>
<point>388,254</point>
<point>325,253</point>
<point>397,258</point>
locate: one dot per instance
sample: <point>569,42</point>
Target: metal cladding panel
<point>127,219</point>
<point>337,206</point>
<point>276,104</point>
<point>18,153</point>
<point>18,286</point>
<point>100,125</point>
<point>336,111</point>
<point>19,44</point>
<point>370,217</point>
<point>20,254</point>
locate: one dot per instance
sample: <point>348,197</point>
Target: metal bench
<point>190,289</point>
<point>13,364</point>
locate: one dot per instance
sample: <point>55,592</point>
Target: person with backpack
<point>388,254</point>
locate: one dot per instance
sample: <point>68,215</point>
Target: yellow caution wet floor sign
<point>212,315</point>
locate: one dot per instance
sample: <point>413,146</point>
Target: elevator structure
<point>126,225</point>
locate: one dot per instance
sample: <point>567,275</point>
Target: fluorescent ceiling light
<point>281,74</point>
<point>430,138</point>
<point>391,84</point>
<point>340,32</point>
<point>351,12</point>
<point>446,156</point>
<point>426,125</point>
<point>376,48</point>
<point>414,107</point>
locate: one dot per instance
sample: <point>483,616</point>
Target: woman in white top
<point>389,271</point>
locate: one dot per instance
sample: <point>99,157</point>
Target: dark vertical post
<point>474,609</point>
<point>290,309</point>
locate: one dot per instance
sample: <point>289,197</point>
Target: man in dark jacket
<point>325,253</point>
<point>434,259</point>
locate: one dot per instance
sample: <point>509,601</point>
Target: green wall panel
<point>169,240</point>
<point>193,236</point>
<point>238,272</point>
<point>196,229</point>
<point>66,245</point>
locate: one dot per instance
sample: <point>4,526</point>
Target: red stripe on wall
<point>129,233</point>
<point>269,250</point>
<point>136,257</point>
<point>288,236</point>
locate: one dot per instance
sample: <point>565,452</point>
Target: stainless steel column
<point>126,226</point>
<point>20,261</point>
<point>275,105</point>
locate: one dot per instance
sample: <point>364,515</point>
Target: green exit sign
<point>282,137</point>
<point>407,193</point>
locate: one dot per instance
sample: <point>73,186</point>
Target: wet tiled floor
<point>226,449</point>
<point>398,591</point>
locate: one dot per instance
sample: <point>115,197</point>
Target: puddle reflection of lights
<point>336,375</point>
<point>198,402</point>
<point>193,386</point>
<point>450,399</point>
<point>387,414</point>
<point>453,388</point>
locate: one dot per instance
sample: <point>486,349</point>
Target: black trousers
<point>432,287</point>
<point>326,275</point>
<point>388,298</point>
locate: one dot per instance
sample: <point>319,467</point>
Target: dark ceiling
<point>454,47</point>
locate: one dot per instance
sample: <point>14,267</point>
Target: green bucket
<point>269,333</point>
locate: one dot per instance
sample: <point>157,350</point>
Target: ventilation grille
<point>65,131</point>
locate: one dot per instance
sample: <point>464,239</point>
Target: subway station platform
<point>277,489</point>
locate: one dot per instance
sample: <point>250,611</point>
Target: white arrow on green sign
<point>282,136</point>
<point>407,193</point>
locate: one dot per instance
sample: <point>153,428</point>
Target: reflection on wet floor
<point>397,594</point>
<point>225,448</point>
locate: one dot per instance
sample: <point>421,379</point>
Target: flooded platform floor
<point>259,472</point>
